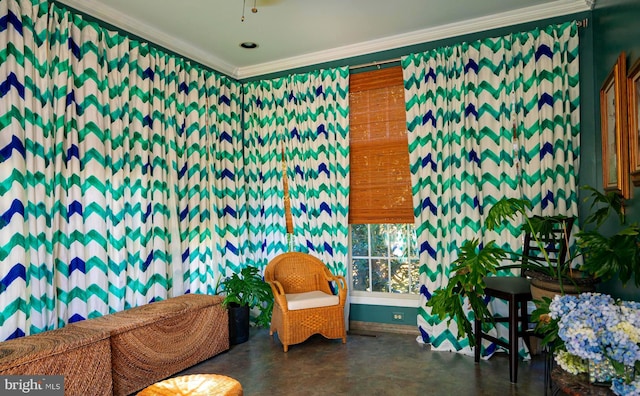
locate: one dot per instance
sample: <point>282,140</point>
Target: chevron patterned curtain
<point>489,119</point>
<point>116,161</point>
<point>25,177</point>
<point>264,126</point>
<point>305,118</point>
<point>317,157</point>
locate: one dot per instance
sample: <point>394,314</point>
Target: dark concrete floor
<point>384,364</point>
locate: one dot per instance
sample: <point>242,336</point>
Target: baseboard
<point>373,327</point>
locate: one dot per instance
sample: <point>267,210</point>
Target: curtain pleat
<point>264,125</point>
<point>120,172</point>
<point>229,222</point>
<point>489,119</point>
<point>26,288</point>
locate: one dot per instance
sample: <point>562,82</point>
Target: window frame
<point>407,299</point>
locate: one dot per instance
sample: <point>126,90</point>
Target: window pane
<point>384,258</point>
<point>415,252</point>
<point>398,240</point>
<point>359,240</point>
<point>399,276</point>
<point>380,275</point>
<point>378,240</point>
<point>415,276</point>
<point>360,275</point>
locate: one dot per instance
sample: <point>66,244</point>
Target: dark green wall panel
<point>616,29</point>
<point>383,314</point>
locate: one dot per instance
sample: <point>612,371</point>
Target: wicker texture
<point>299,273</point>
<point>195,385</point>
<point>82,356</point>
<point>154,341</point>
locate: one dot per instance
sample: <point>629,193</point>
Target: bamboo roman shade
<point>380,178</point>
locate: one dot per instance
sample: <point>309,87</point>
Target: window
<point>384,258</point>
<point>384,255</point>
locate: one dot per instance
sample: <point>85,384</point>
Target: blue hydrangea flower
<point>595,327</point>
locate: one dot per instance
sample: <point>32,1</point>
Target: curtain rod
<point>581,23</point>
<point>375,63</point>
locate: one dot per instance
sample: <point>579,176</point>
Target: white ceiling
<point>296,33</point>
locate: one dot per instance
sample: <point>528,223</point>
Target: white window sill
<point>386,299</point>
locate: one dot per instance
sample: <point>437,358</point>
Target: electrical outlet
<point>398,316</point>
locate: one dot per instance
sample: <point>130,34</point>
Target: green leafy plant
<point>605,256</point>
<point>610,254</point>
<point>470,268</point>
<point>249,288</point>
<point>546,326</point>
<point>542,230</point>
<point>475,262</point>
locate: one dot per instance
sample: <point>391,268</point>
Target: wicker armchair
<point>304,304</point>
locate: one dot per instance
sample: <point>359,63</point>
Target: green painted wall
<point>615,29</point>
<point>383,314</point>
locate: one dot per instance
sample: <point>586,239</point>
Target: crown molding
<point>523,15</point>
<point>105,13</point>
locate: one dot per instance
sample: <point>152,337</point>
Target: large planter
<point>543,285</point>
<point>238,323</point>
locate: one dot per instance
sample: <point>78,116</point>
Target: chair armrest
<point>276,287</point>
<point>278,294</point>
<point>341,284</point>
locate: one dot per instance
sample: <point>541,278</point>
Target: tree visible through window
<point>384,258</point>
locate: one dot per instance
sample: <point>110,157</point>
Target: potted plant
<point>604,257</point>
<point>470,268</point>
<point>474,263</point>
<point>549,275</point>
<point>600,336</point>
<point>244,292</point>
<point>610,254</point>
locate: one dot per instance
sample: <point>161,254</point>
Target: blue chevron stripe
<point>15,145</point>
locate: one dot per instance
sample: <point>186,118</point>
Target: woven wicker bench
<point>82,356</point>
<point>153,341</point>
<point>126,351</point>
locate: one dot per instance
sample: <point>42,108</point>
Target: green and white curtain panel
<point>489,119</point>
<point>304,116</point>
<point>120,172</point>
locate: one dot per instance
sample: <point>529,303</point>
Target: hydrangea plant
<point>595,327</point>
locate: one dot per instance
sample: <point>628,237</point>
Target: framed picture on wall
<point>613,120</point>
<point>633,101</point>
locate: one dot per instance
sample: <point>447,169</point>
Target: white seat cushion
<point>312,299</point>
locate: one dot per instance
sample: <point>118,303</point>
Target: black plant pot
<point>238,323</point>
